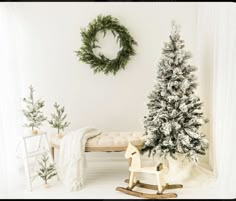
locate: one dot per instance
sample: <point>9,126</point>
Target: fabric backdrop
<point>217,41</point>
<point>10,118</point>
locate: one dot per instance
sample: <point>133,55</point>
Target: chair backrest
<point>133,153</point>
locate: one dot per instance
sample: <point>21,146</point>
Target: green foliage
<point>46,171</point>
<point>100,63</point>
<point>58,119</point>
<point>33,111</point>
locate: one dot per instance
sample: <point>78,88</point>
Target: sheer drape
<point>216,22</point>
<point>10,123</point>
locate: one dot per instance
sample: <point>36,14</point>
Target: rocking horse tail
<point>160,167</point>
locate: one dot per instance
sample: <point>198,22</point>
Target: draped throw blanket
<point>71,162</point>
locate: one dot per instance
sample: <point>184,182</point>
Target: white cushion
<point>115,139</point>
<point>108,139</point>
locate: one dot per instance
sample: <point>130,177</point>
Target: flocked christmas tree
<point>58,119</point>
<point>172,124</point>
<point>33,111</point>
<point>46,171</point>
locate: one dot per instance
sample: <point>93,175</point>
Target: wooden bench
<point>106,142</point>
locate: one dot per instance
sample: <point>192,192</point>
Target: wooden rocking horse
<point>133,154</point>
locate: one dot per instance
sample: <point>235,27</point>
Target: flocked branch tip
<point>175,28</point>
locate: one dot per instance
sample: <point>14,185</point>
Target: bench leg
<point>53,152</point>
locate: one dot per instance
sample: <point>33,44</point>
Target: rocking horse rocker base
<point>133,154</point>
<point>158,195</point>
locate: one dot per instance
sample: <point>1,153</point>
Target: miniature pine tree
<point>46,171</point>
<point>33,111</point>
<point>58,119</point>
<point>174,117</point>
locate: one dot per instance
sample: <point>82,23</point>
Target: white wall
<point>51,34</point>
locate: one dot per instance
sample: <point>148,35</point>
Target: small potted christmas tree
<point>58,120</point>
<point>46,171</point>
<point>33,112</point>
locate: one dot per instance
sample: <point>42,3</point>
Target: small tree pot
<point>60,135</point>
<point>35,132</point>
<point>46,185</point>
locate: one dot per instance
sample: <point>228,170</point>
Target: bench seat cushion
<point>109,141</point>
<point>114,141</point>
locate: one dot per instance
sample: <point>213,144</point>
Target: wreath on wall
<point>100,63</point>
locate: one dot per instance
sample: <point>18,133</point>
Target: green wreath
<point>100,63</point>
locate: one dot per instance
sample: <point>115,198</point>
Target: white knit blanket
<point>71,163</point>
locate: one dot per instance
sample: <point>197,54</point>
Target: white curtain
<point>217,41</point>
<point>10,122</point>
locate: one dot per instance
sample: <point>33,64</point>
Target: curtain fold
<point>10,118</point>
<point>216,22</point>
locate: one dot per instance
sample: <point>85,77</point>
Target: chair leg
<point>26,166</point>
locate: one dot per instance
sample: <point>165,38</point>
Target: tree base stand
<point>46,185</point>
<point>158,195</point>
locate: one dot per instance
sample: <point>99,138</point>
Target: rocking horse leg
<point>135,177</point>
<point>159,183</point>
<point>131,178</point>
